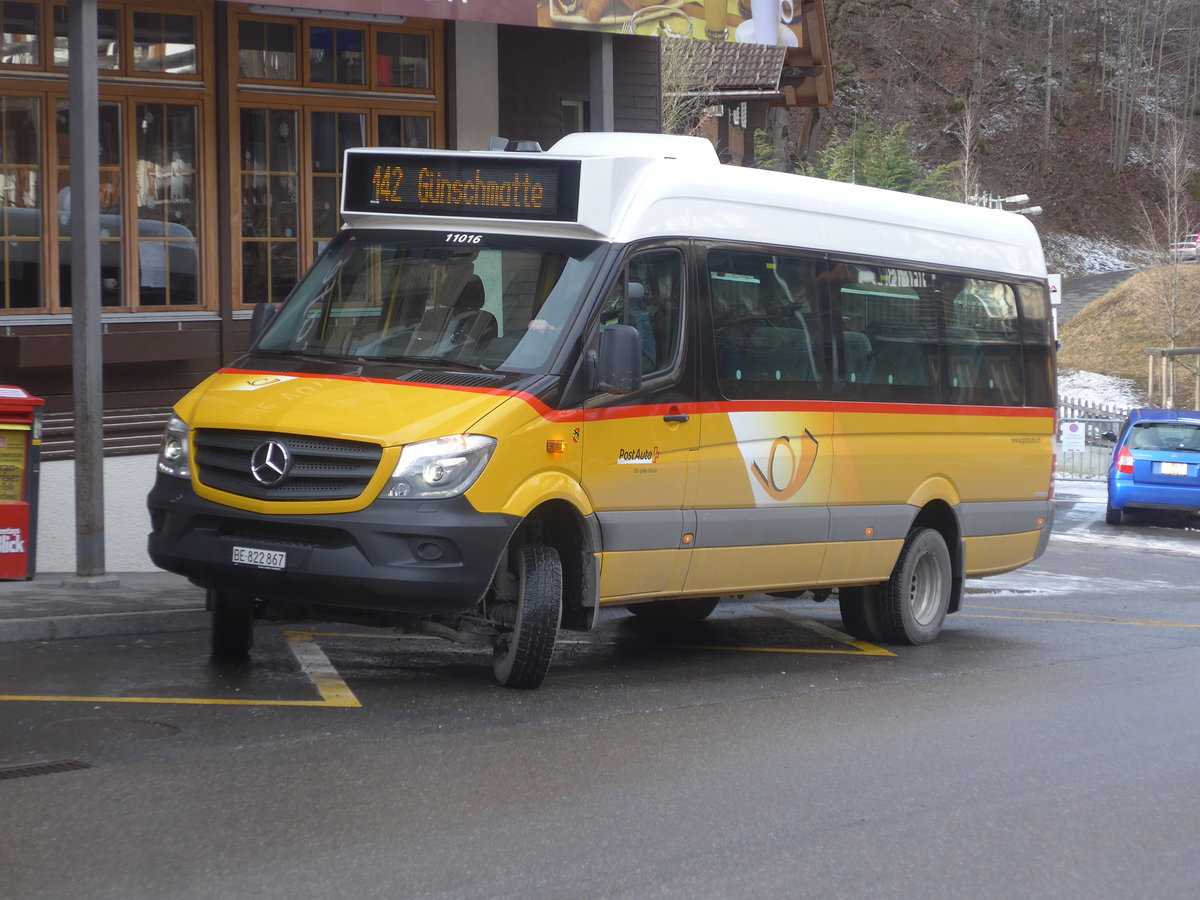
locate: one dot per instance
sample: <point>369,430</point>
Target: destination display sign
<point>479,187</point>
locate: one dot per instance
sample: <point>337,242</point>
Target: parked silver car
<point>1185,248</point>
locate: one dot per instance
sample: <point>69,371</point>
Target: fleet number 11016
<point>459,238</point>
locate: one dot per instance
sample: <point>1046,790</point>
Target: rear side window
<point>913,336</point>
<point>983,337</point>
<point>1174,436</point>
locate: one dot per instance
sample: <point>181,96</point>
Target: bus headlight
<point>443,467</point>
<point>173,455</point>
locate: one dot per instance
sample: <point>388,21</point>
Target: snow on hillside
<point>1093,388</point>
<point>1073,255</point>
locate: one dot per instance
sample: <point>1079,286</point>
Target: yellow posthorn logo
<point>802,462</point>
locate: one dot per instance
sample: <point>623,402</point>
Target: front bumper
<point>411,557</point>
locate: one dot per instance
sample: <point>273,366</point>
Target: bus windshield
<point>481,301</point>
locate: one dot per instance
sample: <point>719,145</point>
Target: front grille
<point>321,468</point>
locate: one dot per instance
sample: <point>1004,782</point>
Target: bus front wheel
<point>522,650</point>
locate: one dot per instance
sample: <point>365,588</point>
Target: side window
<point>984,360</point>
<point>770,343</point>
<point>889,341</point>
<point>649,296</point>
<point>1037,333</point>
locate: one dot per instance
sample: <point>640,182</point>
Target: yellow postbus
<point>519,387</point>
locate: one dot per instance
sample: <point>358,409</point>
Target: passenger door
<point>766,454</point>
<point>638,447</point>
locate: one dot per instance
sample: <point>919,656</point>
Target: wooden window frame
<point>309,25</point>
<point>44,20</point>
<point>305,106</point>
<point>206,163</point>
<point>16,92</point>
<point>178,7</point>
<point>235,26</point>
<point>431,30</point>
<point>202,13</point>
<point>128,96</point>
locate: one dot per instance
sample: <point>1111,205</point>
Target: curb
<point>54,628</point>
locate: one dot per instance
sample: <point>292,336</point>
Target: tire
<point>1111,515</point>
<point>232,624</point>
<point>860,611</point>
<point>914,601</point>
<point>677,610</point>
<point>521,654</point>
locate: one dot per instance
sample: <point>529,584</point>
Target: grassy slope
<point>1112,334</point>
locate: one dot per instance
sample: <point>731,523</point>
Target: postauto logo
<point>637,457</point>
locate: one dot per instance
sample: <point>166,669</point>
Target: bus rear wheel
<point>860,609</point>
<point>522,651</point>
<point>232,624</point>
<point>915,600</point>
<point>911,606</point>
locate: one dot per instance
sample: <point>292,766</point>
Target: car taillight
<point>1125,461</point>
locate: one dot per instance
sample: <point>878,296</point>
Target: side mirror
<point>263,315</point>
<point>1109,436</point>
<point>619,366</point>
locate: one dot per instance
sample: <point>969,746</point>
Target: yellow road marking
<point>335,693</point>
<point>861,648</point>
<point>1078,618</point>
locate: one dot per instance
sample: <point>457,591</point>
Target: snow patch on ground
<point>1073,255</point>
<point>1096,389</point>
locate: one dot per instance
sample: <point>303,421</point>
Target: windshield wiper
<point>400,358</point>
<point>460,363</point>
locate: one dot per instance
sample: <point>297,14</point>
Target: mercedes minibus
<point>520,387</point>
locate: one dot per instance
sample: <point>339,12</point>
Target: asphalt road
<point>1045,746</point>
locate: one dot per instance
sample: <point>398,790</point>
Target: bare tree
<point>1127,76</point>
<point>966,131</point>
<point>689,81</point>
<point>1175,289</point>
<point>1047,84</point>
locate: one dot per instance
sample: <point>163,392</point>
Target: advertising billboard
<point>775,22</point>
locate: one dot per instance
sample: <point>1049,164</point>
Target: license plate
<point>262,559</point>
<point>1169,468</point>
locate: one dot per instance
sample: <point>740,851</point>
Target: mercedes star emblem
<point>270,463</point>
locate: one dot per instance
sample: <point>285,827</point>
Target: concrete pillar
<point>475,98</point>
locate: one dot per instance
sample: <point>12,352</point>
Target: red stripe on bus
<point>710,407</point>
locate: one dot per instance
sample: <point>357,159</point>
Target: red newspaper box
<point>20,455</point>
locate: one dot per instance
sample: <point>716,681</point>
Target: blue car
<point>1156,463</point>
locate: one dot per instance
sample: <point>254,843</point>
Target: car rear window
<point>1165,436</point>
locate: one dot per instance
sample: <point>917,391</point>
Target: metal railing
<point>1087,461</point>
<point>1084,454</point>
